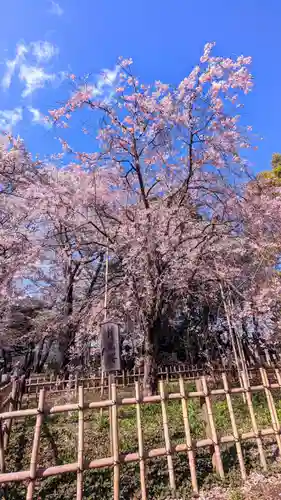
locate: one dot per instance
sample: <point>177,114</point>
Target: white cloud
<point>38,117</point>
<point>105,83</point>
<point>43,51</point>
<point>9,118</point>
<point>109,76</point>
<point>34,78</point>
<point>21,50</point>
<point>56,9</point>
<point>96,91</point>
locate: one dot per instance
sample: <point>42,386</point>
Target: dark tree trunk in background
<point>151,351</point>
<point>42,354</point>
<point>68,335</point>
<point>28,360</point>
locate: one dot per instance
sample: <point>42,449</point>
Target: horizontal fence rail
<point>205,393</point>
<point>124,378</point>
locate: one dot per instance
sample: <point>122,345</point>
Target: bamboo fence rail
<point>115,461</point>
<point>125,378</point>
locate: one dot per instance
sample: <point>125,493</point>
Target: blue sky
<point>165,40</point>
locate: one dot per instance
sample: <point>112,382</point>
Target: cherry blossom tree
<point>166,166</point>
<point>18,239</point>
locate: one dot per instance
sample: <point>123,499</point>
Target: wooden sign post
<point>110,359</point>
<point>110,347</point>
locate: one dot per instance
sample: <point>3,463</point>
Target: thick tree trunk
<point>42,354</point>
<point>150,375</point>
<point>150,378</point>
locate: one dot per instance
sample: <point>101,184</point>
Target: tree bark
<point>150,376</point>
<point>42,354</point>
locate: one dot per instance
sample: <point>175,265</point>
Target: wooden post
<point>167,437</point>
<point>35,447</point>
<point>140,441</point>
<point>234,427</point>
<point>205,418</point>
<point>110,382</point>
<point>233,343</point>
<point>2,451</point>
<point>102,391</point>
<point>80,459</point>
<point>254,422</point>
<point>271,407</point>
<point>188,440</point>
<point>76,385</point>
<point>12,406</point>
<point>115,443</point>
<point>213,432</point>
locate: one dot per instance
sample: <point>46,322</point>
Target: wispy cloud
<point>109,76</point>
<point>56,9</point>
<point>34,78</point>
<point>38,118</point>
<point>26,65</point>
<point>9,118</point>
<point>12,64</point>
<point>43,51</point>
<point>105,82</point>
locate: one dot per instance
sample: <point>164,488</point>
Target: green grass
<point>58,445</point>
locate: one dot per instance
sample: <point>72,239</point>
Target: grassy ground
<point>58,445</point>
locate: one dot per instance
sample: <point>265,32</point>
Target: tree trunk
<point>150,378</point>
<point>42,354</point>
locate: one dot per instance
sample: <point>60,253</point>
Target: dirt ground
<point>258,487</point>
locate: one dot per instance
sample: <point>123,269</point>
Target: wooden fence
<point>123,378</point>
<point>205,392</point>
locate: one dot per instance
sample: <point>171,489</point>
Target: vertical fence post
<point>115,443</point>
<point>2,451</point>
<point>271,407</point>
<point>76,385</point>
<point>12,406</point>
<point>110,381</point>
<point>80,443</point>
<point>167,437</point>
<point>102,390</point>
<point>167,374</point>
<point>205,418</point>
<point>36,443</point>
<point>140,441</point>
<point>213,431</point>
<point>190,451</point>
<point>234,427</point>
<point>254,422</point>
<point>2,460</point>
